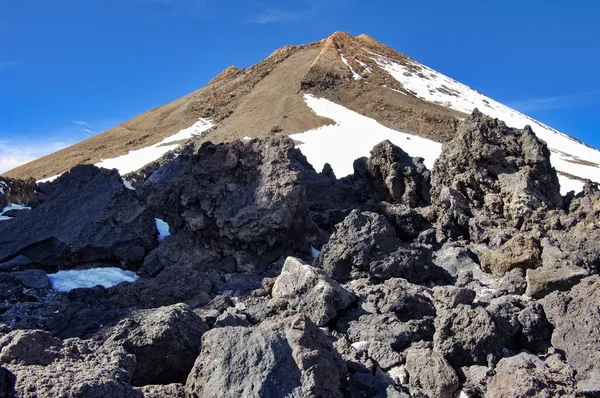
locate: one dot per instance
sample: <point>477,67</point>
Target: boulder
<point>401,178</point>
<point>407,222</point>
<point>525,375</point>
<point>544,280</point>
<point>386,336</point>
<point>32,279</point>
<point>366,243</point>
<point>492,172</point>
<point>86,215</point>
<point>235,196</point>
<point>50,367</point>
<point>576,322</point>
<point>519,252</point>
<point>430,374</point>
<point>288,358</point>
<point>467,336</point>
<point>308,290</point>
<point>165,342</point>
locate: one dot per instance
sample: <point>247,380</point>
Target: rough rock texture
<point>13,191</point>
<point>291,358</point>
<point>430,374</point>
<point>467,336</point>
<point>49,367</point>
<point>519,252</point>
<point>491,170</point>
<point>366,243</point>
<point>392,175</point>
<point>165,342</point>
<point>308,290</point>
<point>235,197</point>
<point>526,375</point>
<point>576,322</point>
<point>84,216</point>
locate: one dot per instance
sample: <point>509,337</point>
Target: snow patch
<point>49,179</point>
<point>355,75</point>
<point>354,135</point>
<point>163,229</point>
<point>12,207</point>
<point>567,154</point>
<point>128,185</point>
<point>314,252</point>
<point>137,159</point>
<point>64,281</point>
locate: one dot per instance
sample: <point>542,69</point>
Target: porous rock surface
<point>476,279</point>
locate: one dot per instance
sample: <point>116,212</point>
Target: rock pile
<point>474,279</point>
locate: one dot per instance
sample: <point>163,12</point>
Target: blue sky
<point>73,68</point>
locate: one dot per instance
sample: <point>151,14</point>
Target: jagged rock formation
<point>16,191</point>
<point>86,216</point>
<point>478,279</point>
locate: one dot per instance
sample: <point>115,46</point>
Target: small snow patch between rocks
<point>163,229</point>
<point>64,281</point>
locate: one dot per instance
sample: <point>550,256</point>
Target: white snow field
<point>137,159</point>
<point>11,207</point>
<point>353,136</point>
<point>567,154</point>
<point>163,229</point>
<point>64,281</point>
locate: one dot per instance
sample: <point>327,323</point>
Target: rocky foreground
<point>474,279</point>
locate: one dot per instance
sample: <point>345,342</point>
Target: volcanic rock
<point>308,290</point>
<point>84,216</point>
<point>165,342</point>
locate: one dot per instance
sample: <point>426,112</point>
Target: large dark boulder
<point>86,215</point>
<point>500,174</point>
<point>165,342</point>
<point>366,243</point>
<point>235,197</point>
<point>291,357</point>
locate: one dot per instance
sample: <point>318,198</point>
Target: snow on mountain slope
<point>354,135</point>
<point>137,159</point>
<point>568,155</point>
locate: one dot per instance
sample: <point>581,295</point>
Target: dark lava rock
<point>50,367</point>
<point>85,215</point>
<point>501,173</point>
<point>308,290</point>
<point>290,358</point>
<point>235,197</point>
<point>366,242</point>
<point>467,336</point>
<point>576,322</point>
<point>164,341</point>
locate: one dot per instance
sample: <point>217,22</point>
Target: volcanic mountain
<point>343,92</point>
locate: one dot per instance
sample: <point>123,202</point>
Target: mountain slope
<point>270,98</point>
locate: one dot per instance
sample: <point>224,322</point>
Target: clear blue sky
<point>72,68</point>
